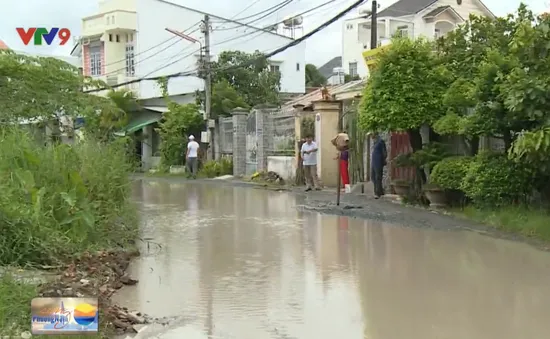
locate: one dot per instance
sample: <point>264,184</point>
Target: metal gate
<point>400,144</point>
<point>251,144</point>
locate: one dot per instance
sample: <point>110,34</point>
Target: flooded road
<point>243,263</point>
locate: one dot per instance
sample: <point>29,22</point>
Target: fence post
<point>239,141</point>
<point>264,133</point>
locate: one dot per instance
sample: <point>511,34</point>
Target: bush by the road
<point>493,180</point>
<point>450,172</point>
<point>57,201</point>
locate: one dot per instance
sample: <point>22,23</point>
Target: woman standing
<point>344,157</point>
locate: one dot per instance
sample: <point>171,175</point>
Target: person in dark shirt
<point>378,161</point>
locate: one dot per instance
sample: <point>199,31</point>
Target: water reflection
<point>243,263</point>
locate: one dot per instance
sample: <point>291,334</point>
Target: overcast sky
<point>67,13</point>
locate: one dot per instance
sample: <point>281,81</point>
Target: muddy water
<point>243,263</point>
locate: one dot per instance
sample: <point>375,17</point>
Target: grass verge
<point>528,222</point>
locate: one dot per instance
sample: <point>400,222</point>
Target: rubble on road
<point>99,275</point>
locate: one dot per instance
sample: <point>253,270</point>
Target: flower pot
<point>436,196</point>
<point>401,190</point>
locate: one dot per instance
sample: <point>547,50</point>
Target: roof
<point>225,19</point>
<point>405,7</point>
<point>410,7</point>
<point>307,99</point>
<point>439,10</point>
<point>328,67</point>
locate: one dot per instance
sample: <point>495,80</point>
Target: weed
<point>522,220</point>
<point>58,200</point>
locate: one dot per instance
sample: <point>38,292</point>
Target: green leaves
<point>314,78</point>
<point>405,90</point>
<point>249,75</point>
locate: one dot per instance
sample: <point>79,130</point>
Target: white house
<point>126,40</point>
<point>412,18</point>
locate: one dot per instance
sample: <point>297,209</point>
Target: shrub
<point>59,200</point>
<point>450,172</point>
<point>493,180</point>
<point>212,168</point>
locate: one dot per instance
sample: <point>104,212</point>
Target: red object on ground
<point>344,172</point>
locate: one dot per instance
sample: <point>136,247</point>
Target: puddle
<point>243,263</point>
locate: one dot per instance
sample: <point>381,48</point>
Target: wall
<point>152,32</point>
<point>283,166</point>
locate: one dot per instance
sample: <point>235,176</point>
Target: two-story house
<point>126,40</point>
<point>412,18</point>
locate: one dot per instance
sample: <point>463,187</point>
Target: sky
<point>320,48</point>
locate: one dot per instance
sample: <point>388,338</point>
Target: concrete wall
<point>284,166</point>
<point>152,32</point>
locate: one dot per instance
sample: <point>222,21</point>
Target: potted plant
<point>435,195</point>
<point>401,187</point>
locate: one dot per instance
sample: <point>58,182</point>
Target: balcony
<point>110,21</point>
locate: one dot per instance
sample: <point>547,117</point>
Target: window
<point>111,37</point>
<point>297,66</point>
<point>95,61</point>
<point>349,26</point>
<point>403,31</point>
<point>353,69</point>
<point>117,38</point>
<point>130,63</point>
<point>275,68</point>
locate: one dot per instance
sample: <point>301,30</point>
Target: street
<point>237,262</point>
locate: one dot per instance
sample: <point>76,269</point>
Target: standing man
<point>191,157</point>
<point>378,161</point>
<point>309,156</point>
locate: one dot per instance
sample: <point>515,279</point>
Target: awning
<point>137,124</point>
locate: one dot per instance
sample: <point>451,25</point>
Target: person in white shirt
<point>309,157</point>
<point>191,158</point>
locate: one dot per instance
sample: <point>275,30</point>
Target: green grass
<point>528,222</point>
<point>15,305</point>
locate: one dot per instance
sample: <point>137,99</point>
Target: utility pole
<point>208,86</point>
<point>374,25</point>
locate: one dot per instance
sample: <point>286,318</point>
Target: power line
<point>275,9</point>
<point>268,55</point>
<point>275,24</point>
<point>154,54</point>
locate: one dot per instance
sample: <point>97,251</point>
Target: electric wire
<point>277,8</point>
<point>268,55</point>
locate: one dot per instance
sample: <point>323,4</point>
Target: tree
<point>224,99</point>
<point>404,91</point>
<point>314,78</point>
<point>176,124</point>
<point>249,75</point>
<point>490,75</point>
<point>44,89</point>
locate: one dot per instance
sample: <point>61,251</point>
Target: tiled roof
<point>3,45</point>
<point>307,99</point>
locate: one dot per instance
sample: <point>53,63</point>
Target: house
<point>332,71</point>
<point>126,41</point>
<point>412,18</point>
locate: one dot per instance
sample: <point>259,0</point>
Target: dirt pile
<point>99,275</point>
